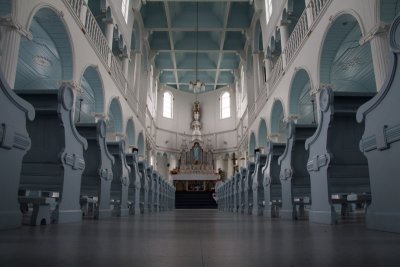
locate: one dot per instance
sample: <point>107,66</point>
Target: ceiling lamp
<point>197,86</point>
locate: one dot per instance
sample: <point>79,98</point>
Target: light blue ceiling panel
<point>240,15</point>
<point>207,77</point>
<point>163,61</point>
<point>47,58</point>
<point>226,77</point>
<point>344,62</point>
<point>230,61</point>
<point>278,124</point>
<point>115,117</point>
<point>204,40</point>
<point>234,40</point>
<point>153,14</point>
<point>159,41</point>
<point>210,50</point>
<point>204,61</point>
<point>167,77</point>
<point>184,15</point>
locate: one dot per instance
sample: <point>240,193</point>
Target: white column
<point>109,37</point>
<point>380,57</point>
<point>10,33</point>
<point>256,73</point>
<point>83,14</point>
<point>125,66</point>
<point>309,13</point>
<point>267,63</point>
<point>284,29</point>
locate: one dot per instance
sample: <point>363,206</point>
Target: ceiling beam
<point>194,29</point>
<point>171,42</point>
<point>221,46</point>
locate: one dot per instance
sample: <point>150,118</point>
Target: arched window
<point>125,9</point>
<point>225,105</point>
<point>268,9</point>
<point>167,105</point>
<point>242,82</point>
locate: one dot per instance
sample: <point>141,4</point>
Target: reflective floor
<point>195,238</point>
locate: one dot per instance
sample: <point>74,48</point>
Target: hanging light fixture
<point>197,86</point>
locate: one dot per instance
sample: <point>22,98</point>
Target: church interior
<point>199,133</point>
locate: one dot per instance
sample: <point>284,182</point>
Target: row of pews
<point>56,171</point>
<point>349,161</point>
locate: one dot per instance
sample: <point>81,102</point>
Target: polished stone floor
<point>196,238</point>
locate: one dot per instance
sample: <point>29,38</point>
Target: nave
<point>198,238</point>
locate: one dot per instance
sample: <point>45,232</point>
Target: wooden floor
<point>196,238</point>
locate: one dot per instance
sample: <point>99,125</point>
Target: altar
<point>195,170</point>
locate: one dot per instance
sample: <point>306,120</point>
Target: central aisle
<point>197,238</point>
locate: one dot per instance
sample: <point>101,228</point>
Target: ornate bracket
<point>125,181</point>
<point>9,138</point>
<point>287,173</point>
<point>76,162</point>
<point>317,162</point>
<point>106,174</point>
<point>381,140</point>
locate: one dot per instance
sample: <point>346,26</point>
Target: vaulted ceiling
<point>175,40</point>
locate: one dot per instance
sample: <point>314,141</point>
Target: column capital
<point>11,22</point>
<point>377,29</point>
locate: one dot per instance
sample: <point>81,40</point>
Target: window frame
<point>223,106</point>
<point>125,10</point>
<point>268,10</point>
<point>171,108</point>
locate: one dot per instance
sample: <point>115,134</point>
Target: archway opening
<point>46,59</point>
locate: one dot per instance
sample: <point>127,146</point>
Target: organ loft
<point>199,133</point>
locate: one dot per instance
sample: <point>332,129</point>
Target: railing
<point>297,36</point>
<point>316,6</point>
<point>76,5</point>
<point>100,45</point>
<point>276,72</point>
<point>118,75</point>
<point>93,30</point>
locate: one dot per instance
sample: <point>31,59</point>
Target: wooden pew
<point>120,182</point>
<point>335,164</point>
<point>14,143</point>
<point>242,198</point>
<point>134,186</point>
<point>156,199</point>
<point>144,186</point>
<point>236,193</point>
<point>98,173</point>
<point>295,179</point>
<point>54,165</point>
<point>271,183</point>
<point>380,144</point>
<point>248,188</point>
<point>163,199</point>
<point>258,188</point>
<point>150,197</point>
